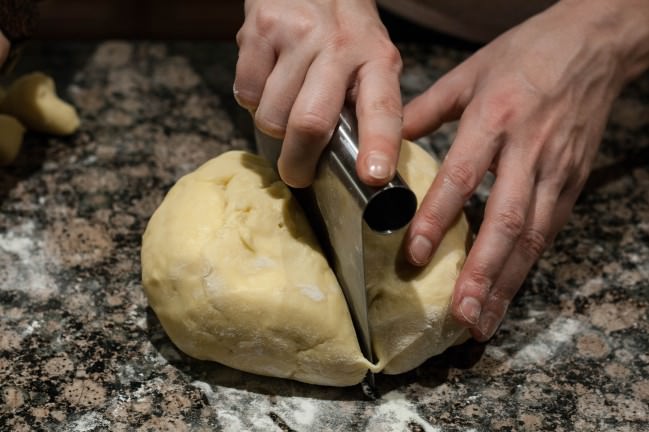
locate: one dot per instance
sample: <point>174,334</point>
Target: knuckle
<point>432,222</point>
<point>294,24</point>
<point>240,37</point>
<point>581,177</point>
<point>498,119</point>
<point>511,222</point>
<point>339,41</point>
<point>392,56</point>
<point>301,26</point>
<point>462,178</point>
<point>386,105</point>
<point>479,276</point>
<point>532,243</point>
<point>313,124</point>
<point>499,110</point>
<point>270,127</point>
<point>267,20</point>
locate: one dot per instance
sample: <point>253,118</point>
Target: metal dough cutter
<point>344,212</point>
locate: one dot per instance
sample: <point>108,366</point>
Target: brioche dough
<point>235,275</point>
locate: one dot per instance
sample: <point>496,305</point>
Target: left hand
<point>532,105</point>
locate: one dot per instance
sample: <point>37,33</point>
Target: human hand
<point>532,107</point>
<point>299,61</point>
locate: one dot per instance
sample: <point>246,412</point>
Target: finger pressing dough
<point>32,99</point>
<point>11,138</point>
<point>233,271</point>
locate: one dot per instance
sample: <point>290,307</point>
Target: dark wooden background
<point>140,19</point>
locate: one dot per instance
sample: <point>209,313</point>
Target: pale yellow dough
<point>11,138</point>
<point>32,99</point>
<point>235,275</point>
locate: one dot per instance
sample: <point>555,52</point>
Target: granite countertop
<point>80,350</point>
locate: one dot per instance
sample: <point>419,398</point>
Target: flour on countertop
<point>29,273</point>
<point>240,409</point>
<point>394,413</point>
<point>546,345</point>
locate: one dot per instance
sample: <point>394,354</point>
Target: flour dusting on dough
<point>213,283</point>
<point>263,262</point>
<point>312,291</point>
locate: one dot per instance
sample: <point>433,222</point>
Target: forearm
<point>634,37</point>
<point>621,25</point>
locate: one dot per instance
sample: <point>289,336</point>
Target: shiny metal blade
<point>343,211</point>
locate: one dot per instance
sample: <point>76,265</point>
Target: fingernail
<point>378,165</point>
<point>420,249</point>
<point>488,324</point>
<point>470,309</point>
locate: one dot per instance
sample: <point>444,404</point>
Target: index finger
<point>460,174</point>
<point>379,112</point>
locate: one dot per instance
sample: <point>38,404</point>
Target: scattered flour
<point>30,273</point>
<point>89,422</point>
<point>34,325</point>
<point>394,413</point>
<point>251,414</point>
<point>240,410</point>
<point>547,344</point>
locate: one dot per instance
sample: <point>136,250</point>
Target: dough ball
<point>11,138</point>
<point>32,99</point>
<point>235,275</point>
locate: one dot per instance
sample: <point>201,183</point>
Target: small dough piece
<point>32,99</point>
<point>235,275</point>
<point>11,138</point>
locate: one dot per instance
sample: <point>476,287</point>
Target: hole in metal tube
<point>390,209</point>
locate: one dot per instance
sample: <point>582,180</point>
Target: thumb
<point>444,101</point>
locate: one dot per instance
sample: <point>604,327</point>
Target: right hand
<point>299,61</point>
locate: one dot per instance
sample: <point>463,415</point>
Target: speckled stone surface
<point>80,350</point>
